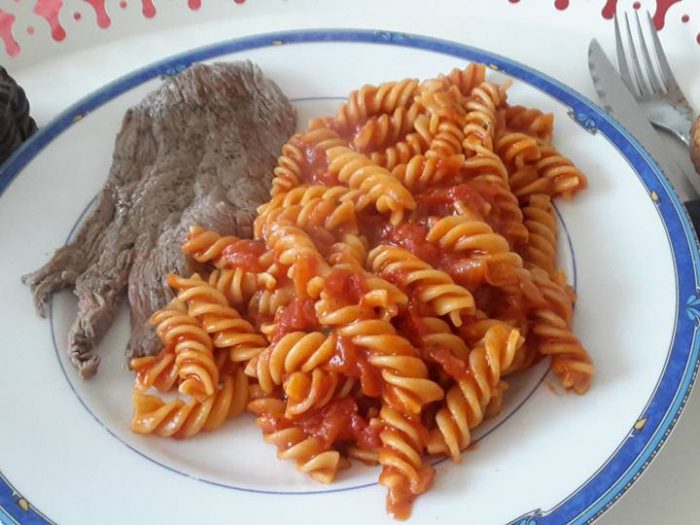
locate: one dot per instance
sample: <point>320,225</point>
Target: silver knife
<point>619,102</point>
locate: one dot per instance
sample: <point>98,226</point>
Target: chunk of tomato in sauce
<point>453,366</point>
<point>411,322</point>
<point>500,305</point>
<point>297,316</point>
<point>244,254</point>
<point>400,498</point>
<point>314,167</point>
<point>352,360</point>
<point>346,286</point>
<point>441,201</point>
<point>466,271</point>
<point>413,238</point>
<point>340,421</point>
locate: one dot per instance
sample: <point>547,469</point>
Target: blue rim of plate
<point>626,463</point>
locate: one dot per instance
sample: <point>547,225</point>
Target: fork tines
<point>651,82</point>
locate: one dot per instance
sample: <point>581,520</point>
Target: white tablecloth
<point>536,33</point>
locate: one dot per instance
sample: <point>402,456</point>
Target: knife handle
<point>693,208</point>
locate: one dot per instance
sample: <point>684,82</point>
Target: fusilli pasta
<point>404,267</point>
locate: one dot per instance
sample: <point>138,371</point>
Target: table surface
<point>551,39</point>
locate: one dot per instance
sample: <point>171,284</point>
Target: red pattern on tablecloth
<point>50,11</point>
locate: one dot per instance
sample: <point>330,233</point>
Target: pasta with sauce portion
<point>404,267</point>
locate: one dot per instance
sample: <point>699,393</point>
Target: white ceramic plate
<point>66,452</point>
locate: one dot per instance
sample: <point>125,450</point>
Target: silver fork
<point>659,95</point>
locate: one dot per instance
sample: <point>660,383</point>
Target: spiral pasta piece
<point>434,287</point>
<point>504,214</point>
<point>296,351</point>
<point>193,349</point>
<point>322,139</point>
<point>367,456</point>
<point>570,361</point>
<point>558,295</point>
<point>530,121</point>
<point>371,100</point>
<point>291,244</point>
<point>541,249</point>
<point>316,213</point>
<point>401,152</point>
<point>445,140</point>
<point>224,325</point>
<point>466,235</point>
<point>406,383</point>
<point>466,402</point>
<point>350,252</point>
<point>499,266</point>
<point>404,473</point>
<point>448,104</point>
<point>517,149</point>
<point>465,79</point>
<point>379,299</point>
<point>266,303</point>
<point>238,285</point>
<point>423,172</point>
<point>485,166</point>
<point>157,371</point>
<point>381,131</point>
<point>311,455</point>
<point>288,172</point>
<point>207,246</point>
<point>308,391</point>
<point>566,178</point>
<point>182,420</point>
<point>376,183</point>
<point>302,195</point>
<point>331,312</point>
<point>526,181</point>
<point>480,121</point>
<point>436,333</point>
<point>294,249</point>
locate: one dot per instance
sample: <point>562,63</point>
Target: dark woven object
<point>16,125</point>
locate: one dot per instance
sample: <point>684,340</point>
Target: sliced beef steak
<point>199,150</point>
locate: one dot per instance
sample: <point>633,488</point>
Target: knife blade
<point>620,103</point>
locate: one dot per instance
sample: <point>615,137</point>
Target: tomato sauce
<point>400,498</point>
<point>411,237</point>
<point>353,361</point>
<point>142,375</point>
<point>314,168</point>
<point>469,272</point>
<point>322,239</point>
<point>453,366</point>
<point>346,286</point>
<point>498,304</point>
<point>372,224</point>
<point>244,254</point>
<point>297,316</point>
<point>452,167</point>
<point>441,201</point>
<point>412,324</point>
<point>338,421</point>
<point>303,270</point>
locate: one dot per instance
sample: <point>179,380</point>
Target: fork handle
<point>693,208</point>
